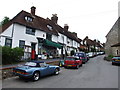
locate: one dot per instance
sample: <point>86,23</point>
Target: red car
<point>72,61</point>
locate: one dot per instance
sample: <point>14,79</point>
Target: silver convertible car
<point>35,70</point>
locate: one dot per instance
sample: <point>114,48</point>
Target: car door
<point>45,69</point>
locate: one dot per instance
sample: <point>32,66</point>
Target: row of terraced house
<point>39,36</point>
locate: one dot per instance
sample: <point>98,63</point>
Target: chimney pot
<point>33,10</point>
<point>66,27</point>
<point>54,18</point>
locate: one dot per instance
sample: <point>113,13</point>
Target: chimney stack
<point>86,37</point>
<point>54,18</point>
<point>66,27</point>
<point>33,10</point>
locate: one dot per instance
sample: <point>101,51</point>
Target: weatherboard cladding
<point>40,24</point>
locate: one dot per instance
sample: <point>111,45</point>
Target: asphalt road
<point>96,73</point>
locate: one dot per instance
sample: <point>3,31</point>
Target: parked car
<point>90,54</point>
<point>82,57</point>
<point>35,70</point>
<point>101,53</point>
<point>87,56</point>
<point>72,61</point>
<point>116,60</point>
<point>61,63</point>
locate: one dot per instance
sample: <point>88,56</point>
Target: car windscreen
<point>69,58</point>
<point>32,64</point>
<point>116,58</point>
<point>79,54</point>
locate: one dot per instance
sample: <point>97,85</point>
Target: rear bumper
<point>115,62</point>
<point>67,65</point>
<point>84,61</point>
<point>24,76</point>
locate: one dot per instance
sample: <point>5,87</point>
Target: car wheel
<point>56,72</point>
<point>20,77</point>
<point>113,64</point>
<point>36,76</point>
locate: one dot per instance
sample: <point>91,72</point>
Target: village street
<point>96,73</point>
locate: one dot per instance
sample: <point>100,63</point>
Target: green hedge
<point>11,55</point>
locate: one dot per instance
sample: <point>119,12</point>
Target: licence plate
<point>18,72</point>
<point>69,65</point>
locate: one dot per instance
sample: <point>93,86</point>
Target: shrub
<point>10,55</point>
<point>109,58</point>
<point>17,53</point>
<point>72,52</point>
<point>6,55</point>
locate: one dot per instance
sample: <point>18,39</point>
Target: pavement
<point>21,63</point>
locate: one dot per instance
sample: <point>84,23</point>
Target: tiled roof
<point>37,23</point>
<point>91,42</point>
<point>40,24</point>
<point>115,26</point>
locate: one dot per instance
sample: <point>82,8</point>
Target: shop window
<point>21,43</point>
<point>30,31</point>
<point>8,42</point>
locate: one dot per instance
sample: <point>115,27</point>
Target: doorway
<point>33,52</point>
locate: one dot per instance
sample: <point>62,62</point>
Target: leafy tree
<point>4,21</point>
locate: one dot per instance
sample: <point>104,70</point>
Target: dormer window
<point>49,27</point>
<point>28,19</point>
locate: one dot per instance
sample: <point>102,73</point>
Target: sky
<point>92,18</point>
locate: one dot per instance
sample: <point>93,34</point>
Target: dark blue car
<point>82,56</point>
<point>35,70</point>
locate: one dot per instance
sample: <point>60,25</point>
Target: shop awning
<point>53,44</point>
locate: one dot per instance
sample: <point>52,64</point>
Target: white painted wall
<point>8,31</point>
<point>54,38</point>
<point>19,33</point>
<point>62,38</point>
<point>2,41</point>
<point>70,42</point>
<point>75,44</point>
<point>40,34</point>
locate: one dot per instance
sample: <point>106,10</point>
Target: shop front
<point>48,49</point>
